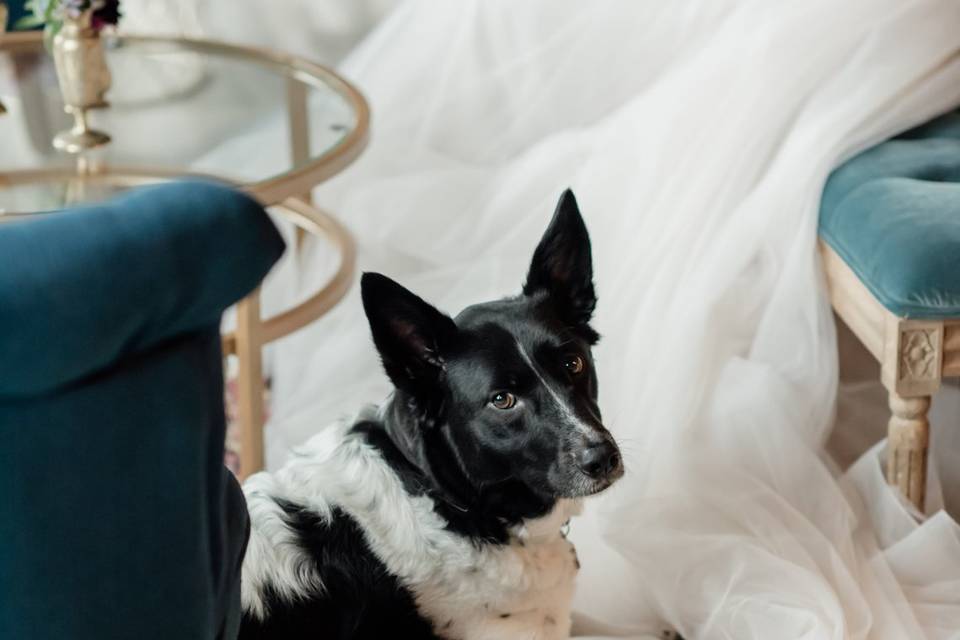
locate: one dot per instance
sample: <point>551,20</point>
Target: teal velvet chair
<point>890,239</point>
<point>16,10</point>
<point>117,516</point>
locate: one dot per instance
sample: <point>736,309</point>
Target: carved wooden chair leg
<point>914,355</point>
<point>911,371</point>
<point>907,445</point>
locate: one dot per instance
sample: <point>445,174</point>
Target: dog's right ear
<point>562,265</point>
<point>409,333</point>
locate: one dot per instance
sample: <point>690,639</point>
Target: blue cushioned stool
<point>890,239</point>
<point>117,516</point>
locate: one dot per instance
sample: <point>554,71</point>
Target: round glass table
<point>271,124</point>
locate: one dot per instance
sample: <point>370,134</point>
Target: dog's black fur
<point>449,433</point>
<point>362,601</point>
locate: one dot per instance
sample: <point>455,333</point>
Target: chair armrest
<point>80,289</point>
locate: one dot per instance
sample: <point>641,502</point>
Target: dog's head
<point>507,391</point>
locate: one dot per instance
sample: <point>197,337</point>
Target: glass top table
<point>274,124</point>
<point>271,124</point>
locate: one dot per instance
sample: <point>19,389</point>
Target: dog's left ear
<point>409,333</point>
<point>562,264</point>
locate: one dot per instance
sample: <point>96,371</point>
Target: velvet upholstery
<point>117,516</point>
<point>85,287</point>
<point>17,9</point>
<point>893,214</point>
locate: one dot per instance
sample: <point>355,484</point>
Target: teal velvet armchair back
<point>117,516</point>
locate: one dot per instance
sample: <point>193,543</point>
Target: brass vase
<point>84,80</point>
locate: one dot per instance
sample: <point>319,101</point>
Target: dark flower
<point>53,12</point>
<point>107,14</point>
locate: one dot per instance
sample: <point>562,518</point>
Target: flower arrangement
<point>51,14</point>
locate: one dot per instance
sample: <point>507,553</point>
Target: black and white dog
<point>441,514</point>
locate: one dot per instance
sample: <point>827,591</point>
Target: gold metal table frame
<point>287,194</point>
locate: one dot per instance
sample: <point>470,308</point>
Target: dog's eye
<point>503,400</point>
<point>573,364</point>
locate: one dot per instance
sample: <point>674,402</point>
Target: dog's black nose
<point>599,460</point>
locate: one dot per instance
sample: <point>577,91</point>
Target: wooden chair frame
<point>914,355</point>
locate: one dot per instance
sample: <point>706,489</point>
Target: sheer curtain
<point>697,137</point>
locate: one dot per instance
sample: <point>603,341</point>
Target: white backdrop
<point>697,137</point>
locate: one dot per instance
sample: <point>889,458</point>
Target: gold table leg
<point>252,333</point>
<point>249,344</point>
<point>299,136</point>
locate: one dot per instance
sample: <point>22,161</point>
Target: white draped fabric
<point>697,137</point>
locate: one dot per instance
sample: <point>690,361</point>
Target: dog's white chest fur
<point>521,590</point>
<point>518,591</point>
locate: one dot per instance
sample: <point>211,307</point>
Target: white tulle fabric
<point>697,137</point>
